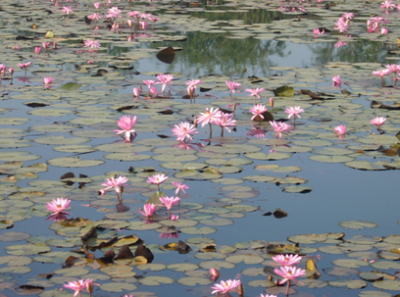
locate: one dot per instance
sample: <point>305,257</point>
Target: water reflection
<point>254,16</point>
<point>215,53</point>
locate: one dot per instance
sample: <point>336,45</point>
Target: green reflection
<point>248,17</point>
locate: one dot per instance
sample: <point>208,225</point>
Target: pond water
<point>249,190</point>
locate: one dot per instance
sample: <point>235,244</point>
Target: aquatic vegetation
<point>58,206</point>
<point>224,287</point>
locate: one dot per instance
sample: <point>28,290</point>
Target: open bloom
<point>225,120</point>
<point>227,286</point>
<point>164,80</point>
<point>113,13</point>
<point>24,65</point>
<point>180,187</point>
<point>232,86</point>
<point>255,92</point>
<point>340,130</point>
<point>58,205</point>
<point>168,202</point>
<point>318,32</point>
<point>289,273</point>
<point>294,111</point>
<point>81,285</point>
<point>91,43</point>
<point>67,10</point>
<point>378,121</point>
<point>157,179</point>
<point>257,110</point>
<point>210,116</point>
<point>148,209</point>
<point>114,183</point>
<point>126,124</point>
<point>287,260</point>
<point>280,127</point>
<point>184,131</point>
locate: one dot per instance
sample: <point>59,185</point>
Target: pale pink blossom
<point>91,43</point>
<point>76,286</point>
<point>37,50</point>
<point>214,274</point>
<point>96,5</point>
<point>173,217</point>
<point>169,202</point>
<point>165,80</point>
<point>95,16</point>
<point>267,295</point>
<point>126,124</point>
<point>148,209</point>
<point>340,43</point>
<point>180,187</point>
<point>257,110</point>
<point>184,131</point>
<point>232,86</point>
<point>136,92</point>
<point>113,13</point>
<point>374,23</point>
<point>67,10</point>
<point>157,179</point>
<point>255,92</point>
<point>317,32</point>
<point>24,65</point>
<point>153,92</point>
<point>114,183</point>
<point>384,31</point>
<point>340,130</point>
<point>225,121</point>
<point>294,112</point>
<point>58,205</point>
<point>289,273</point>
<point>388,5</point>
<point>378,121</point>
<point>381,73</point>
<point>337,81</point>
<point>191,87</point>
<point>280,128</point>
<point>224,287</point>
<point>210,116</point>
<point>47,81</point>
<point>287,260</point>
<point>342,25</point>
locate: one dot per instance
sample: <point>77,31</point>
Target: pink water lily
<point>225,121</point>
<point>287,260</point>
<point>191,87</point>
<point>165,80</point>
<point>257,110</point>
<point>184,131</point>
<point>91,43</point>
<point>114,183</point>
<point>58,206</point>
<point>224,287</point>
<point>126,124</point>
<point>169,202</point>
<point>81,285</point>
<point>214,274</point>
<point>149,210</point>
<point>337,81</point>
<point>289,273</point>
<point>24,65</point>
<point>340,131</point>
<point>180,187</point>
<point>280,128</point>
<point>48,81</point>
<point>378,121</point>
<point>294,112</point>
<point>255,92</point>
<point>157,179</point>
<point>210,116</point>
<point>232,86</point>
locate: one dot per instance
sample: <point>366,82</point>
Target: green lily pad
<point>156,280</point>
<point>74,162</point>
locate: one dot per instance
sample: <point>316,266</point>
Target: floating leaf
<point>74,162</point>
<point>166,55</point>
<point>357,224</point>
<point>284,91</point>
